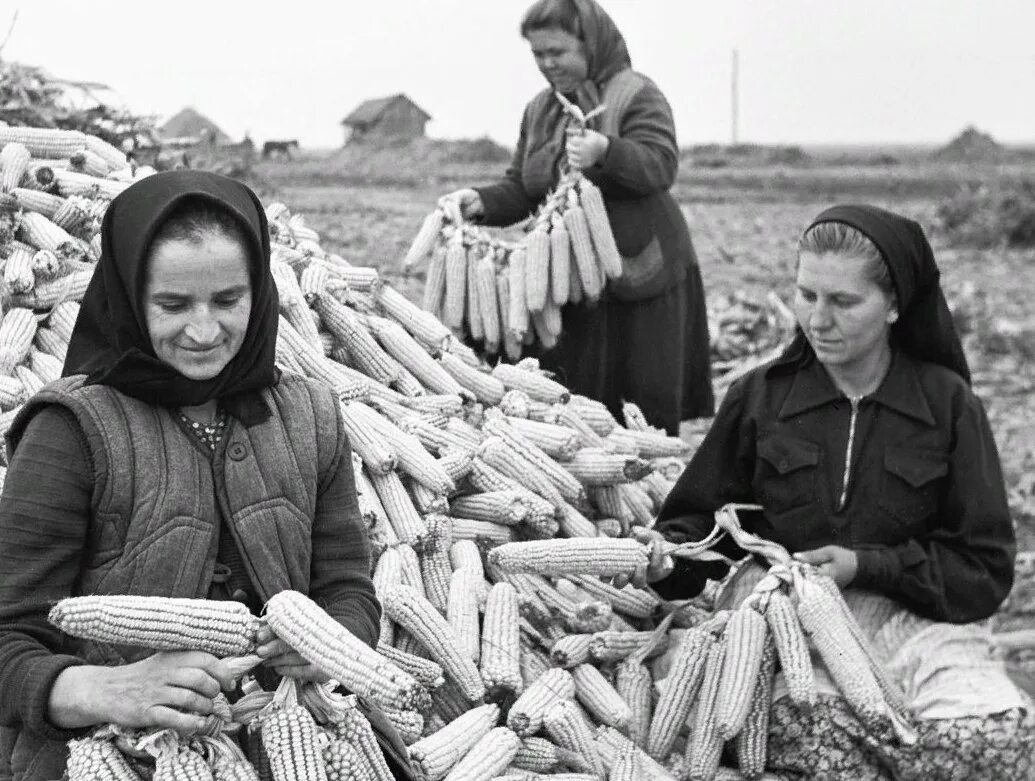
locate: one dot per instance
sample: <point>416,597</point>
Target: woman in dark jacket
<point>173,459</point>
<point>874,461</point>
<point>646,341</point>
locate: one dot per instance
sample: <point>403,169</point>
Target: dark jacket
<point>925,507</point>
<point>283,486</point>
<point>634,177</point>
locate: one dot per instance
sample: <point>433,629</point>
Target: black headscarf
<point>924,328</point>
<point>111,344</point>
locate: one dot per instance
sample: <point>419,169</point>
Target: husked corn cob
<point>565,725</point>
<point>474,307</point>
<point>498,454</point>
<point>594,413</point>
<point>559,442</point>
<point>679,692</point>
<point>750,743</point>
<point>427,672</point>
<point>387,573</point>
<point>370,506</point>
<point>537,268</point>
<point>600,698</point>
<point>435,282</point>
<point>410,567</point>
<point>488,300</point>
<point>488,757</point>
<point>343,761</point>
<point>14,162</point>
<point>226,759</point>
<point>560,261</point>
<point>18,272</point>
<point>313,363</point>
<point>182,764</point>
<point>324,642</point>
<point>594,467</point>
<point>571,650</point>
<point>14,391</point>
<point>704,747</point>
<point>569,488</point>
<point>435,439</point>
<point>408,723</point>
<point>844,659</point>
<point>464,553</point>
<point>517,295</point>
<point>456,282</point>
<point>592,203</point>
<point>291,739</point>
<point>419,617</point>
<point>435,755</point>
<point>462,610</point>
<point>657,445</point>
<point>600,556</point>
<point>44,365</point>
<point>536,385</point>
<point>633,681</point>
<point>40,232</point>
<point>656,487</point>
<point>506,507</point>
<point>631,601</point>
<point>425,239</point>
<point>526,714</point>
<point>44,142</point>
<point>745,642</point>
<point>368,356</point>
<point>482,531</point>
<point>433,554</point>
<point>625,768</point>
<point>93,759</point>
<point>485,387</point>
<point>425,500</point>
<point>448,702</point>
<point>637,503</point>
<point>611,645</point>
<point>611,743</point>
<point>487,478</point>
<point>407,643</point>
<point>73,183</point>
<point>405,349</point>
<point>115,158</point>
<point>221,628</point>
<point>353,727</point>
<point>402,515</point>
<point>539,755</point>
<point>410,453</point>
<point>534,662</point>
<point>547,324</point>
<point>37,201</point>
<point>574,524</point>
<point>582,249</point>
<point>501,648</point>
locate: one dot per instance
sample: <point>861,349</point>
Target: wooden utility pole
<point>734,99</point>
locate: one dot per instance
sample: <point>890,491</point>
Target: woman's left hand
<point>841,564</point>
<point>284,659</point>
<point>585,148</point>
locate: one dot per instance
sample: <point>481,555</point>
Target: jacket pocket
<point>643,274</point>
<point>787,473</point>
<point>911,482</point>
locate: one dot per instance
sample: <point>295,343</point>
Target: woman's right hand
<point>469,201</point>
<point>171,689</point>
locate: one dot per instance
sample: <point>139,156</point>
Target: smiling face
<point>560,57</point>
<point>845,315</point>
<point>197,302</point>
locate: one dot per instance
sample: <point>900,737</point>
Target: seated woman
<point>173,459</point>
<point>874,461</point>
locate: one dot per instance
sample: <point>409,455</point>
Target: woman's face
<point>560,57</point>
<point>845,315</point>
<point>197,303</point>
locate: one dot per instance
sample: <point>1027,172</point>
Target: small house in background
<point>190,127</point>
<point>394,117</point>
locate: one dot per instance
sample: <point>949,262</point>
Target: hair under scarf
<point>924,328</point>
<point>111,344</point>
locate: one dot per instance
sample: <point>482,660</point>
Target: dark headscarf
<point>111,344</point>
<point>924,328</point>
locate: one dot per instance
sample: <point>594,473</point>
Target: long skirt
<point>654,353</point>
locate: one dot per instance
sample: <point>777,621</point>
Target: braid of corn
<point>592,203</point>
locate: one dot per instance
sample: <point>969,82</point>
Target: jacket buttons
<point>237,451</point>
<point>785,464</point>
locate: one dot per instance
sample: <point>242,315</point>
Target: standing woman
<point>174,460</point>
<point>646,341</point>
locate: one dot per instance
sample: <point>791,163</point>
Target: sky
<point>811,71</point>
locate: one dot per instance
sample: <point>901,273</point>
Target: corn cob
<point>88,162</point>
<point>37,201</point>
<point>534,663</point>
<point>462,610</point>
<point>845,660</point>
<point>367,355</point>
<point>485,387</point>
<point>595,414</point>
<point>484,532</point>
<point>592,203</point>
<point>474,307</point>
<point>226,759</point>
<point>424,241</point>
<point>656,445</point>
<point>449,702</point>
<point>517,304</point>
<point>45,366</point>
<point>600,698</point>
<point>488,757</point>
<point>464,553</point>
<point>560,261</point>
<point>328,645</point>
<point>571,650</point>
<point>310,358</point>
<point>656,487</point>
<point>73,183</point>
<point>408,644</point>
<point>50,342</point>
<point>48,294</point>
<point>526,714</point>
<point>433,554</point>
<point>402,515</point>
<point>572,523</point>
<point>536,385</point>
<point>435,282</point>
<point>409,565</point>
<point>594,467</point>
<point>456,282</point>
<point>635,602</point>
<point>93,759</point>
<point>370,507</point>
<point>14,162</point>
<point>633,681</point>
<point>679,692</point>
<point>498,454</point>
<point>435,755</point>
<point>611,646</point>
<point>559,442</point>
<point>344,762</point>
<point>470,436</point>
<point>565,725</point>
<point>488,300</point>
<point>418,616</point>
<point>638,505</point>
<point>539,755</point>
<point>18,271</point>
<point>159,623</point>
<point>745,642</point>
<point>569,488</point>
<point>425,500</point>
<point>704,747</point>
<point>625,768</point>
<point>537,268</point>
<point>582,249</point>
<point>14,390</point>
<point>353,728</point>
<point>600,556</point>
<point>427,672</point>
<point>750,743</point>
<point>486,478</point>
<point>115,158</point>
<point>611,743</point>
<point>408,723</point>
<point>405,349</point>
<point>387,573</point>
<point>186,765</point>
<point>506,507</point>
<point>435,439</point>
<point>501,650</point>
<point>40,232</point>
<point>44,142</point>
<point>291,740</point>
<point>547,324</point>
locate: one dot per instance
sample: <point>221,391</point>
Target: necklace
<point>211,434</point>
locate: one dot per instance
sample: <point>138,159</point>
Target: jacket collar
<point>811,386</point>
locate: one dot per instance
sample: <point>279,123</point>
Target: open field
<point>745,222</point>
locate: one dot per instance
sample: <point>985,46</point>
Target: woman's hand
<point>659,566</point>
<point>171,689</point>
<point>585,148</point>
<point>841,564</point>
<point>284,659</point>
<point>469,201</point>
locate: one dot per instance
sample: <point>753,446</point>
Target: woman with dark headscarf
<point>872,460</point>
<point>646,341</point>
<point>172,459</point>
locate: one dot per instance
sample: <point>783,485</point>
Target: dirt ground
<point>745,223</point>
